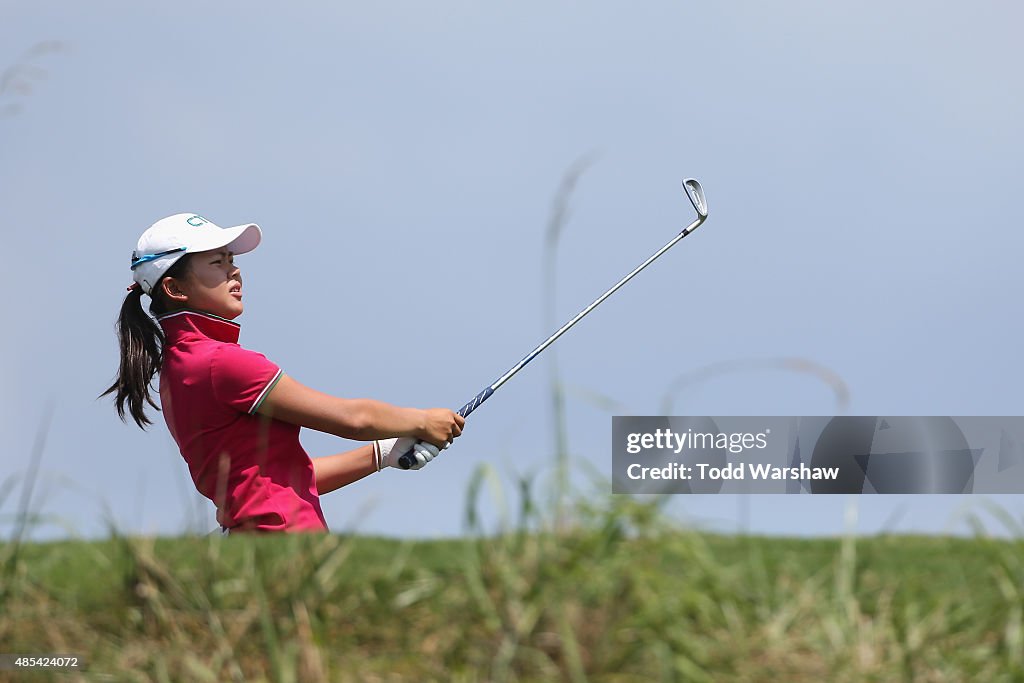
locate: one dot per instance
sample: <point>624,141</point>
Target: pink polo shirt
<point>252,467</point>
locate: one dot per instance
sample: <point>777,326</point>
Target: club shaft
<point>465,410</point>
<point>477,400</point>
<point>579,316</point>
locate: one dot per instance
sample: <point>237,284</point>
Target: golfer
<point>234,414</point>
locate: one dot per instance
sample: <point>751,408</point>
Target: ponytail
<point>141,342</point>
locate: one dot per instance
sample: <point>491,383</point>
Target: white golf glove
<point>388,451</point>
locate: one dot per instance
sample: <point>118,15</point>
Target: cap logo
<point>196,221</point>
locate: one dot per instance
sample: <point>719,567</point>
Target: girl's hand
<point>441,426</point>
<point>388,451</point>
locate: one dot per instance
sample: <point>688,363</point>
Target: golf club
<point>696,195</point>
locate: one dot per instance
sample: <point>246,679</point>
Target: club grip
<point>465,410</point>
<point>407,460</point>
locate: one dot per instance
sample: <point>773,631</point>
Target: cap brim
<point>248,238</point>
<point>239,239</point>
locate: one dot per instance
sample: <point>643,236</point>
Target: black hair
<point>141,343</point>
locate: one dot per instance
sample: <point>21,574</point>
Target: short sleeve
<point>241,379</point>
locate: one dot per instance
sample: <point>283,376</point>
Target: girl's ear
<point>173,291</point>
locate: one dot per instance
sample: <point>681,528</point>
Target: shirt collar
<point>206,324</point>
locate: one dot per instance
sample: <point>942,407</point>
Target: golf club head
<point>696,194</point>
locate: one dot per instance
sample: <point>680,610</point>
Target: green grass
<point>618,595</point>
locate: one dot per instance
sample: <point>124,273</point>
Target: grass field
<point>617,594</point>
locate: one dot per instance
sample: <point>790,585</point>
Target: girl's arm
<point>361,419</point>
<point>334,471</point>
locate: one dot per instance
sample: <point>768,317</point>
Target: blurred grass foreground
<point>613,592</point>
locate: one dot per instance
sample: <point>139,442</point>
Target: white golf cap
<point>170,238</point>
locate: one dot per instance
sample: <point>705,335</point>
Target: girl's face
<point>213,284</point>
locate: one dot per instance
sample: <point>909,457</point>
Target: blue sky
<point>860,162</point>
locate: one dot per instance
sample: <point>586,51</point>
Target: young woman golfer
<point>234,414</point>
